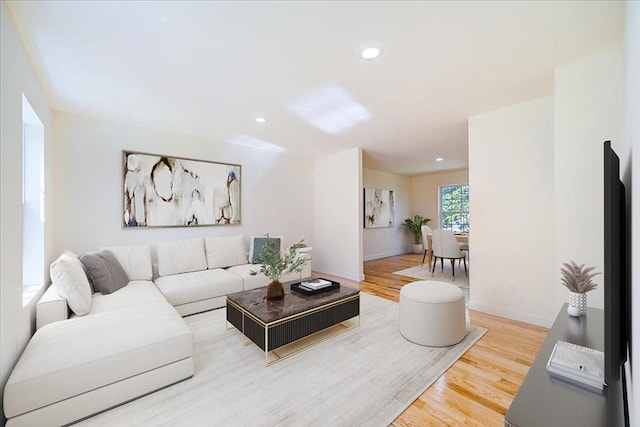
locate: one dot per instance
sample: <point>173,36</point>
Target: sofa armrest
<point>51,308</point>
<point>306,270</point>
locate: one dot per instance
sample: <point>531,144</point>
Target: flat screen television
<point>616,293</point>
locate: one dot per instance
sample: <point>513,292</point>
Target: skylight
<point>330,108</point>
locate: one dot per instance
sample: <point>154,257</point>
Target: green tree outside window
<point>454,207</point>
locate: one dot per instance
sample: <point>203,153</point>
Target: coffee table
<point>274,324</point>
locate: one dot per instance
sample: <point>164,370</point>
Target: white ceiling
<point>207,69</point>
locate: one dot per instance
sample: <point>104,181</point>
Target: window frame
<point>441,214</point>
<point>33,187</point>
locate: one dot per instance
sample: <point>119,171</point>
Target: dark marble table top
<point>255,301</point>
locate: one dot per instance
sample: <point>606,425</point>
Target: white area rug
<point>367,376</point>
<point>423,273</point>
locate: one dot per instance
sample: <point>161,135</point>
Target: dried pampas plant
<point>577,278</point>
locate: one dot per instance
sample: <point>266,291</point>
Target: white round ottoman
<point>432,313</point>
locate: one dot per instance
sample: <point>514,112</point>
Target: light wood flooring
<point>478,389</point>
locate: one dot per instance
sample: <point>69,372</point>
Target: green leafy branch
<point>273,265</point>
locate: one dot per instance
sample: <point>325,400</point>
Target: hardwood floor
<point>478,389</point>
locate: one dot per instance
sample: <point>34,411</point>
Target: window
<point>454,207</point>
<point>32,202</point>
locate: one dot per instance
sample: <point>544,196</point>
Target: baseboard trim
<point>384,255</point>
<point>513,315</point>
<point>358,278</point>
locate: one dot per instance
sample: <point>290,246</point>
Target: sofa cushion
<point>258,242</point>
<point>70,280</point>
<point>135,261</point>
<point>65,359</point>
<point>225,251</point>
<point>249,281</point>
<point>136,293</point>
<point>104,271</point>
<point>197,286</point>
<point>181,256</point>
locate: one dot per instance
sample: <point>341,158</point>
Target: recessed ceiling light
<point>439,159</point>
<point>261,119</point>
<point>371,52</point>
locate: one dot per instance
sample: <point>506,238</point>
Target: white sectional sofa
<point>95,350</point>
<point>196,274</point>
<point>126,344</point>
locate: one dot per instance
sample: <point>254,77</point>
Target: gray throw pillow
<point>104,271</point>
<point>258,243</point>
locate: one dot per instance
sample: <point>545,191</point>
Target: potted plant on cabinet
<point>274,266</point>
<point>414,226</point>
<point>578,280</point>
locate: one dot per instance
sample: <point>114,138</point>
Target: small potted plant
<point>274,266</point>
<point>578,280</point>
<point>414,225</point>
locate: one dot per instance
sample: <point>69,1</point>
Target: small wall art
<point>164,191</point>
<point>379,208</point>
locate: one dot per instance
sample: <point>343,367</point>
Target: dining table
<point>460,237</point>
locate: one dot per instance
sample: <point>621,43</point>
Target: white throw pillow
<point>181,256</point>
<point>225,251</point>
<point>135,261</point>
<point>69,279</point>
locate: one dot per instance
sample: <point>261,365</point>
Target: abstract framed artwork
<point>164,191</point>
<point>379,208</point>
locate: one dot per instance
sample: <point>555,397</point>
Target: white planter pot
<point>577,304</point>
<point>418,249</point>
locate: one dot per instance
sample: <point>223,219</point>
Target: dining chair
<point>464,246</point>
<point>445,246</point>
<point>426,230</point>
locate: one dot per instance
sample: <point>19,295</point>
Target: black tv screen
<point>615,298</point>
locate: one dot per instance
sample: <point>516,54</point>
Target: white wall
<point>275,187</point>
<point>338,214</point>
<point>425,192</point>
<point>17,76</point>
<point>588,111</point>
<point>388,241</point>
<point>632,183</point>
<point>511,211</point>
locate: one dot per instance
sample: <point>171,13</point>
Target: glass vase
<point>275,291</point>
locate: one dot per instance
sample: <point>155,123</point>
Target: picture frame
<point>170,191</point>
<point>379,208</point>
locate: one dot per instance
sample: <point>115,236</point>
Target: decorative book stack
<point>315,284</point>
<point>576,364</point>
